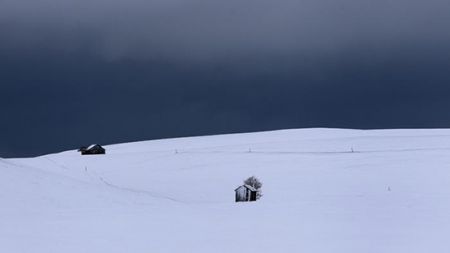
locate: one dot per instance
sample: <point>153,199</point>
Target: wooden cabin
<point>245,193</point>
<point>94,149</point>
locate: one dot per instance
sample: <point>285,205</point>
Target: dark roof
<point>94,146</point>
<point>91,147</point>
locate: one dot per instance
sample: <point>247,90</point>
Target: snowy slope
<point>391,194</point>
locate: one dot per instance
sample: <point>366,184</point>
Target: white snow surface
<point>391,194</point>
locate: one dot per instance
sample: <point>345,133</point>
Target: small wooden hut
<point>245,193</point>
<point>94,149</point>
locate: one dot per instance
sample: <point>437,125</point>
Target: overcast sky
<point>74,73</point>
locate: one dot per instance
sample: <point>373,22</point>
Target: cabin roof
<point>93,146</point>
<point>251,188</point>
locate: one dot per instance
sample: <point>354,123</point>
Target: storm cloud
<point>210,30</point>
<point>76,72</point>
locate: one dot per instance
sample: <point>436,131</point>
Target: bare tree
<point>255,183</point>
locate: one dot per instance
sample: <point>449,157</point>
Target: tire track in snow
<point>127,189</point>
<point>56,163</point>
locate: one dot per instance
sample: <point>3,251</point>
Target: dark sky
<point>79,72</point>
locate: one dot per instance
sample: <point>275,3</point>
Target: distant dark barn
<point>94,149</point>
<point>245,193</point>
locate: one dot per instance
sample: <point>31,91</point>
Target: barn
<point>94,149</point>
<point>245,193</point>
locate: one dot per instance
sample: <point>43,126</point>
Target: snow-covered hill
<point>325,190</point>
